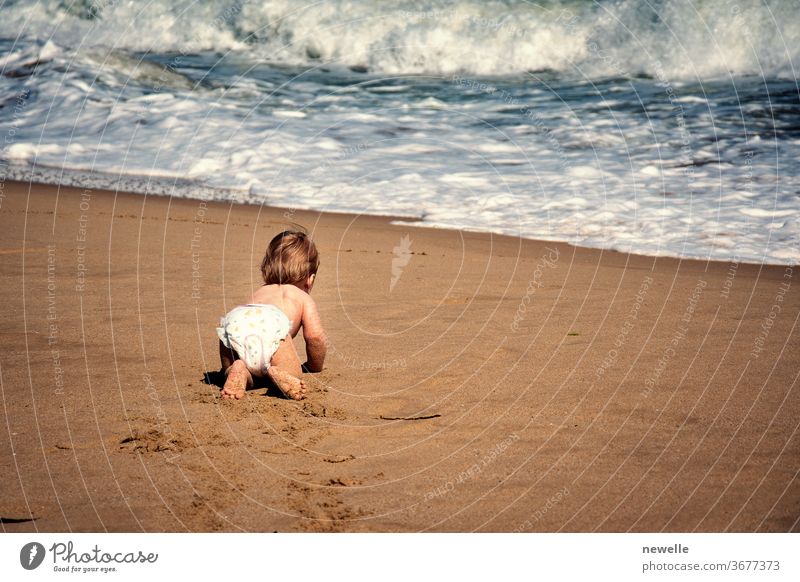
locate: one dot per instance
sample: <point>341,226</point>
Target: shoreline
<point>474,382</point>
<point>163,185</point>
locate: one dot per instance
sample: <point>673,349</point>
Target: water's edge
<point>147,186</point>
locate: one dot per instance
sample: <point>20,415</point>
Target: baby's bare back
<point>287,298</point>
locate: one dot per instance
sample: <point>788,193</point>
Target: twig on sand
<point>424,417</point>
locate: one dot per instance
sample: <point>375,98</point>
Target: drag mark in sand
<point>341,459</point>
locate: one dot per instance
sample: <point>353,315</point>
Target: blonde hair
<point>290,259</point>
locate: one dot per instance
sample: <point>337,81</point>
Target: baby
<point>256,339</point>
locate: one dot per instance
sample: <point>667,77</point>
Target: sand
<point>474,382</point>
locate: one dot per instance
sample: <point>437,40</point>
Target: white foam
<point>585,172</point>
<point>479,37</point>
<point>650,170</point>
<point>31,151</point>
<point>497,148</point>
<point>205,167</point>
<point>288,114</point>
<point>762,213</point>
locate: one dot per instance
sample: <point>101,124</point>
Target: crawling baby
<point>255,340</point>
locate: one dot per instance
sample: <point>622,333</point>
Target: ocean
<point>666,128</point>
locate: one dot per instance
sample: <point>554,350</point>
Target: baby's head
<point>291,259</point>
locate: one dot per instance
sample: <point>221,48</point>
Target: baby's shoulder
<point>302,300</point>
<point>265,294</point>
<point>294,293</point>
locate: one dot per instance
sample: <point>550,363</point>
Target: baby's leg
<point>285,370</point>
<point>226,356</point>
<point>238,377</point>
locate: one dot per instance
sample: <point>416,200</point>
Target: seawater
<point>664,128</point>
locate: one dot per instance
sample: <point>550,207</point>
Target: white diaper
<point>255,331</point>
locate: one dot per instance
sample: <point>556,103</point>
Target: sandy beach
<point>474,382</point>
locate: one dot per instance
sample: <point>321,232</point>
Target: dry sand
<point>500,384</point>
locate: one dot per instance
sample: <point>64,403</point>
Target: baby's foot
<point>291,386</point>
<point>237,381</point>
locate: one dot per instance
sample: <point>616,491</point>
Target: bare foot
<point>291,386</point>
<point>237,382</point>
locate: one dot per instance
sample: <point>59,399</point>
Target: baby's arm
<point>316,342</point>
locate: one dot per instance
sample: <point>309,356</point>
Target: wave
<point>679,39</point>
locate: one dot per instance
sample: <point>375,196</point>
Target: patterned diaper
<point>255,332</point>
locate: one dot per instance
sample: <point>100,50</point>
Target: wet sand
<point>474,382</point>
